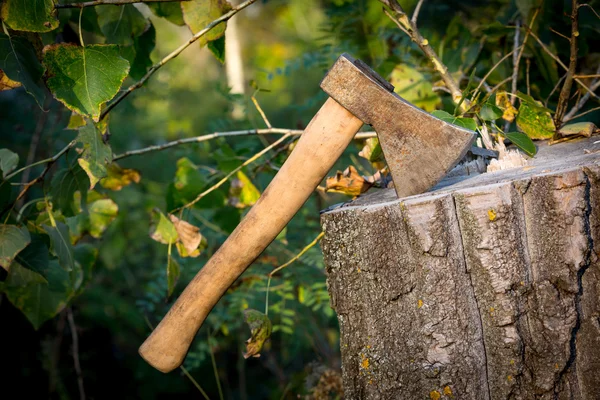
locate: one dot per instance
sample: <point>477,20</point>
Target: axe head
<point>418,147</point>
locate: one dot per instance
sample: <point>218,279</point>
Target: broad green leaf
<point>217,48</point>
<point>76,121</point>
<point>12,240</point>
<point>467,123</point>
<point>242,192</point>
<point>523,142</point>
<point>64,184</point>
<point>101,213</point>
<point>117,178</point>
<point>188,182</point>
<point>173,272</point>
<point>162,230</point>
<point>414,87</point>
<point>260,328</point>
<point>143,45</point>
<point>586,129</point>
<point>86,256</point>
<point>84,78</point>
<point>29,15</point>
<point>35,256</point>
<point>19,62</point>
<point>197,14</point>
<point>490,112</point>
<point>60,244</point>
<point>38,298</point>
<point>171,11</point>
<point>8,161</point>
<point>534,119</point>
<point>121,24</point>
<point>533,103</point>
<point>96,153</point>
<point>372,150</point>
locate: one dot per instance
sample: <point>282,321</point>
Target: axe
<point>419,149</point>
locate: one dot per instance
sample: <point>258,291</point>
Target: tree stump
<point>487,287</point>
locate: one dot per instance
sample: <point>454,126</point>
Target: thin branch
<point>210,136</point>
<point>297,256</point>
<point>516,61</point>
<point>229,175</point>
<point>591,8</point>
<point>75,339</point>
<point>565,93</point>
<point>415,15</point>
<point>559,34</point>
<point>555,58</point>
<point>410,28</point>
<point>582,114</point>
<point>261,112</point>
<point>579,105</point>
<point>110,2</point>
<point>174,54</point>
<point>490,72</point>
<point>214,365</point>
<point>587,76</point>
<point>554,89</point>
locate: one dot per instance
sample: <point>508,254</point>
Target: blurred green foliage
<point>93,250</point>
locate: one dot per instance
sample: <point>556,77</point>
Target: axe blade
<point>418,147</point>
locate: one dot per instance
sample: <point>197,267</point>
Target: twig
<point>415,15</point>
<point>587,76</point>
<point>410,28</point>
<point>229,175</point>
<point>261,112</point>
<point>248,132</point>
<point>174,54</point>
<point>528,62</point>
<point>582,114</point>
<point>554,89</point>
<point>110,2</point>
<point>35,140</point>
<point>291,261</point>
<point>75,339</point>
<point>214,365</point>
<point>516,62</point>
<point>591,8</point>
<point>555,58</point>
<point>558,33</point>
<point>565,93</point>
<point>487,75</point>
<point>595,84</point>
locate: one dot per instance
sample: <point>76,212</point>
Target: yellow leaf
<point>117,178</point>
<point>503,102</point>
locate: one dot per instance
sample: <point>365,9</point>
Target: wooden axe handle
<point>323,141</point>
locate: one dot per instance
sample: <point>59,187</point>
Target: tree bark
<point>487,287</point>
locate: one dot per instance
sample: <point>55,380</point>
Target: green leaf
<point>534,119</point>
<point>38,298</point>
<point>585,129</point>
<point>260,328</point>
<point>188,180</point>
<point>162,229</point>
<point>19,62</point>
<point>217,48</point>
<point>170,11</point>
<point>467,123</point>
<point>96,154</point>
<point>144,45</point>
<point>85,256</point>
<point>64,184</point>
<point>242,192</point>
<point>173,272</point>
<point>12,240</point>
<point>6,196</point>
<point>29,15</point>
<point>121,24</point>
<point>490,112</point>
<point>102,213</point>
<point>372,150</point>
<point>197,14</point>
<point>523,142</point>
<point>35,256</point>
<point>532,103</point>
<point>60,244</point>
<point>84,78</point>
<point>8,161</point>
<point>414,87</point>
<point>76,121</point>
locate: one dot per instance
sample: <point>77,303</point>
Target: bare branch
<point>579,105</point>
<point>210,136</point>
<point>588,76</point>
<point>297,256</point>
<point>410,28</point>
<point>75,339</point>
<point>554,89</point>
<point>110,2</point>
<point>565,93</point>
<point>582,114</point>
<point>517,58</point>
<point>591,8</point>
<point>174,54</point>
<point>415,15</point>
<point>492,70</point>
<point>261,112</point>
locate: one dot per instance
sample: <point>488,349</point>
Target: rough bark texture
<point>487,287</point>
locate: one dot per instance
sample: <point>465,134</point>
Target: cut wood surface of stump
<point>487,287</point>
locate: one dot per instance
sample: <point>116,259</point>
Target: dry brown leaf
<point>349,182</point>
<point>189,235</point>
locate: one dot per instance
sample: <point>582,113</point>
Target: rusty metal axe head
<point>418,147</point>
